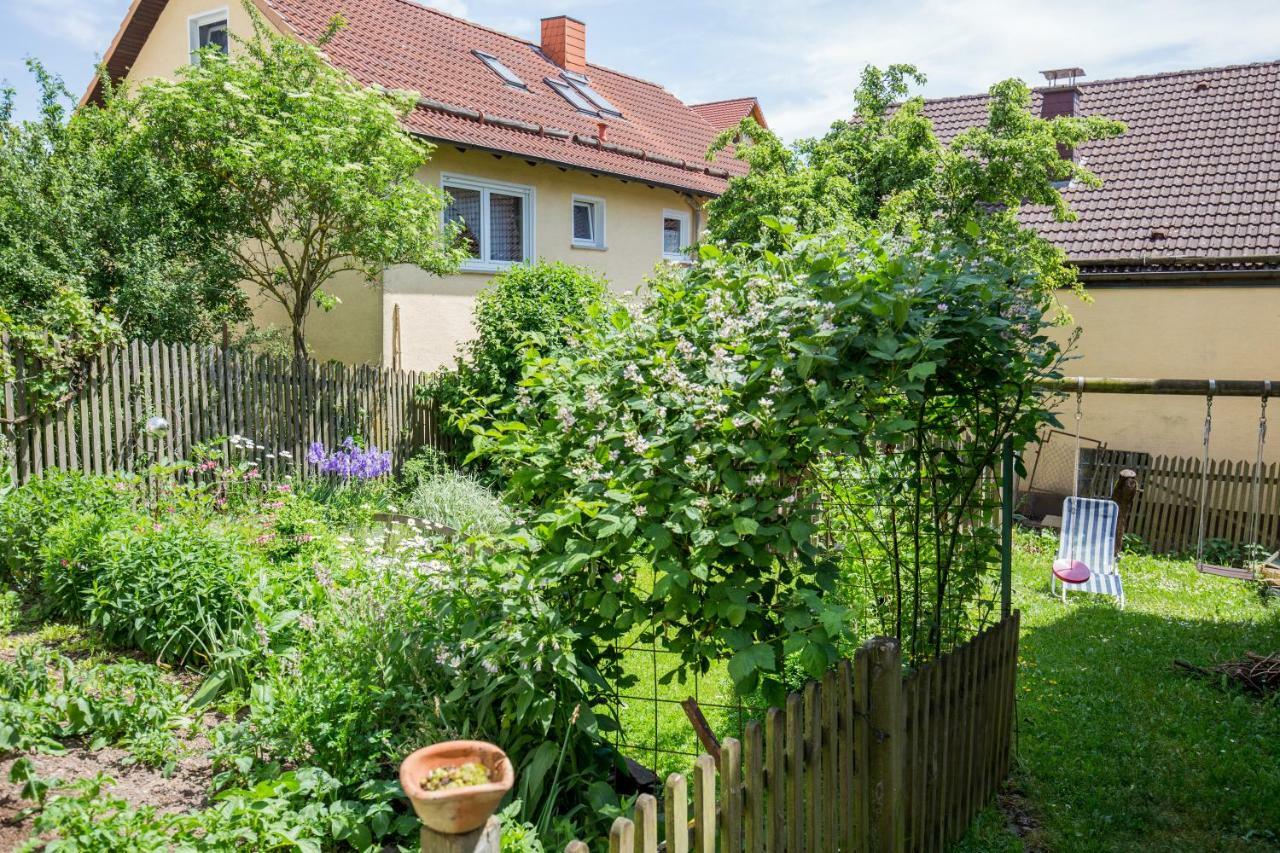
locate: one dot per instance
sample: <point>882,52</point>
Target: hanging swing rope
<point>1075,469</point>
<point>1248,573</point>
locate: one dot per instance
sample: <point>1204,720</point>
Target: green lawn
<point>1119,751</point>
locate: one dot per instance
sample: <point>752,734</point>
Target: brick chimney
<point>564,41</point>
<point>1061,98</point>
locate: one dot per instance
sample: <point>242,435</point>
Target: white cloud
<point>86,24</point>
<point>804,63</point>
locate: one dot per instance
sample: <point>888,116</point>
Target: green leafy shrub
<point>686,434</point>
<point>27,513</point>
<point>10,610</point>
<point>175,589</point>
<point>300,809</point>
<point>47,698</point>
<point>423,646</point>
<point>536,301</point>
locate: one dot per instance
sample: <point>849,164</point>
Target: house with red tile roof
<point>544,153</point>
<point>1179,249</point>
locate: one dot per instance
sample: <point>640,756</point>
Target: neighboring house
<point>1179,249</point>
<point>544,154</point>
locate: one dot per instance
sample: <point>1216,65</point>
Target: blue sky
<point>800,57</point>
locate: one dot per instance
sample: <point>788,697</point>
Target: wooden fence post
<point>1123,493</point>
<point>885,807</point>
<point>486,839</point>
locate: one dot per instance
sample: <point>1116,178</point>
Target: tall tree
<point>307,173</point>
<point>97,238</point>
<point>885,167</point>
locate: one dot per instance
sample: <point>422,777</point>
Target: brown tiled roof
<point>1195,179</point>
<point>723,114</point>
<point>400,44</point>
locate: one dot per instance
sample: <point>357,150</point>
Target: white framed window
<point>496,218</point>
<point>208,29</point>
<point>588,222</point>
<point>675,235</point>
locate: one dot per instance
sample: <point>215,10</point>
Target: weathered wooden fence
<point>208,394</point>
<point>866,760</point>
<point>1165,511</point>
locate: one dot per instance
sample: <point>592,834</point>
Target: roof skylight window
<point>495,65</point>
<point>570,94</point>
<point>600,101</point>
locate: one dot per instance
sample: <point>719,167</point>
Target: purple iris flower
<point>350,462</point>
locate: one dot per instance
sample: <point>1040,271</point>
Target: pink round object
<point>1070,571</point>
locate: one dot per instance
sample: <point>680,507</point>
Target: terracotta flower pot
<point>455,811</point>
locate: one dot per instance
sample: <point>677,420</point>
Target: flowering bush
<point>686,432</point>
<point>349,461</point>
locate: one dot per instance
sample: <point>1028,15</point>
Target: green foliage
<point>457,500</point>
<point>887,169</point>
<point>683,434</point>
<point>97,239</point>
<point>305,173</point>
<point>539,302</point>
<point>28,513</point>
<point>46,699</point>
<point>300,809</point>
<point>179,590</point>
<point>420,646</point>
<point>10,610</point>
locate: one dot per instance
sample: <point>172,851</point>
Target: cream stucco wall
<point>1215,331</point>
<point>435,312</point>
<point>168,47</point>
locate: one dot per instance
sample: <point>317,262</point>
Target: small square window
<point>496,221</point>
<point>588,222</point>
<point>209,29</point>
<point>675,235</point>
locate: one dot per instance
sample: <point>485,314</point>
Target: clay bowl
<point>457,810</point>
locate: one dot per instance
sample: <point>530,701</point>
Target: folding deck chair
<point>1089,536</point>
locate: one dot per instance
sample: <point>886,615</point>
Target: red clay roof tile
<point>1199,161</point>
<point>723,114</point>
<point>401,44</point>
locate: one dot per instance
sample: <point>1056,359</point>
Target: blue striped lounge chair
<point>1089,535</point>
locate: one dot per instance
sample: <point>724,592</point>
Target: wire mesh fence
<point>918,562</point>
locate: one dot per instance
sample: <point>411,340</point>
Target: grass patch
<point>1119,751</point>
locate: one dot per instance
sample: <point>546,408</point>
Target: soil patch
<point>184,790</point>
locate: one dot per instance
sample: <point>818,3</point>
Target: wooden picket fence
<point>1164,513</point>
<point>209,394</point>
<point>867,760</point>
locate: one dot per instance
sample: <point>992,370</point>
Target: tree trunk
<point>298,318</point>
